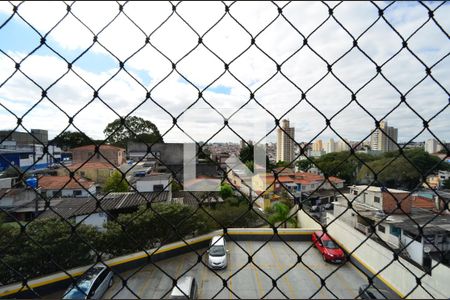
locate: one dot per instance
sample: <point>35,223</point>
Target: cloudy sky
<point>226,38</point>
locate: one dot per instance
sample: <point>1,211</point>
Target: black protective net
<point>40,237</point>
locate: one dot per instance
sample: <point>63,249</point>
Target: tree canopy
<point>69,139</point>
<point>133,129</point>
<point>115,183</point>
<point>402,171</point>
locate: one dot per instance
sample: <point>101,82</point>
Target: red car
<point>329,249</point>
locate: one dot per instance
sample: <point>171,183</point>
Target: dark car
<point>330,250</point>
<point>370,292</point>
<point>92,284</point>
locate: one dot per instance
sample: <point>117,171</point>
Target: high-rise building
<point>384,138</point>
<point>317,145</point>
<point>342,146</point>
<point>285,142</point>
<point>331,146</point>
<point>433,146</point>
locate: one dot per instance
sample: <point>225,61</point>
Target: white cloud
<point>228,40</point>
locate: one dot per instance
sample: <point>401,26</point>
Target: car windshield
<point>217,251</point>
<point>79,292</point>
<point>330,244</point>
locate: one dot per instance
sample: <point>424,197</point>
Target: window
<point>56,193</point>
<point>158,187</point>
<point>412,236</point>
<point>395,231</point>
<point>381,228</point>
<point>376,199</point>
<point>77,193</point>
<point>355,193</point>
<point>24,156</point>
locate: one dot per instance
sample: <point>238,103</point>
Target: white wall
<point>414,248</point>
<point>306,222</point>
<point>147,185</point>
<point>376,257</point>
<point>70,192</point>
<point>97,220</point>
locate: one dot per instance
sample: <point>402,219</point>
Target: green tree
<point>232,214</point>
<point>282,164</point>
<point>446,184</point>
<point>280,213</point>
<point>12,171</point>
<point>116,183</point>
<point>246,155</point>
<point>305,164</point>
<point>134,129</point>
<point>226,191</point>
<point>69,139</point>
<point>47,246</point>
<point>405,170</point>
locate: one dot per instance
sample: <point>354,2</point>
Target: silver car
<point>92,284</point>
<point>186,288</point>
<point>217,253</point>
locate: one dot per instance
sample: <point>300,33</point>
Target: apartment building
<point>383,139</point>
<point>285,142</point>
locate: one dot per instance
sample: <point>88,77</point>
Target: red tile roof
<point>64,182</point>
<point>302,178</point>
<point>421,202</point>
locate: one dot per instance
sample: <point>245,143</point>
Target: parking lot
<point>250,282</point>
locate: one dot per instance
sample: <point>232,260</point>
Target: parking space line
<point>202,280</point>
<point>230,281</point>
<point>146,284</point>
<point>258,281</point>
<point>180,266</point>
<point>280,267</point>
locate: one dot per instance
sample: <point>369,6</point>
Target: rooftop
<point>64,182</point>
<point>70,207</point>
<point>246,279</point>
<point>376,189</point>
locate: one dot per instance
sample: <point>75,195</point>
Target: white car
<point>217,253</point>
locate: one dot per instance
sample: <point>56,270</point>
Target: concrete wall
<point>6,183</point>
<point>304,221</point>
<point>375,257</point>
<point>146,185</point>
<point>70,192</point>
<point>97,220</point>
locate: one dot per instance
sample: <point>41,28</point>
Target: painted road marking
<point>282,269</point>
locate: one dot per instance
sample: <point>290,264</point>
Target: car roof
<point>85,281</point>
<point>217,240</point>
<point>322,235</point>
<point>377,292</point>
<point>183,284</point>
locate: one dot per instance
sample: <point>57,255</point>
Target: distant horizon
<point>336,138</point>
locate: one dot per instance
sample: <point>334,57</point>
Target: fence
<point>205,72</point>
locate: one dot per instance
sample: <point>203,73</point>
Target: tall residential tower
<point>383,138</point>
<point>285,142</point>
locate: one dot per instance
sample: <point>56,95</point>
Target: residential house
<point>86,210</point>
<point>292,184</point>
<point>98,172</point>
<point>436,181</point>
<point>105,153</point>
<point>397,220</point>
<point>154,182</point>
<point>64,186</point>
